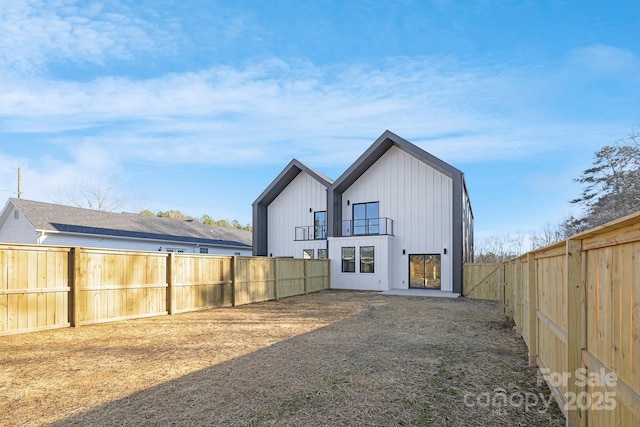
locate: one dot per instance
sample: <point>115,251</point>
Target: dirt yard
<point>334,358</point>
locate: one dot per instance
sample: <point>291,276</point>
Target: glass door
<point>424,271</point>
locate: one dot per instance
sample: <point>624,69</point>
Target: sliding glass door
<point>424,271</point>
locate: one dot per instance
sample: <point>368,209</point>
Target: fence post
<point>305,274</point>
<point>533,309</point>
<point>517,304</point>
<point>171,290</point>
<point>575,283</point>
<point>234,271</point>
<point>74,294</point>
<point>508,290</point>
<point>275,278</point>
<point>501,286</point>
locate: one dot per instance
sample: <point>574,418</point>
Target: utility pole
<point>19,182</point>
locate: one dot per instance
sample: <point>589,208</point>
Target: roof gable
<point>67,219</point>
<point>284,178</point>
<point>387,140</point>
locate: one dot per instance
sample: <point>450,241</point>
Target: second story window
<point>366,218</point>
<point>320,225</point>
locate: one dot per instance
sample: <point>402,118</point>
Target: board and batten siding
<point>383,263</point>
<point>290,210</point>
<point>418,198</point>
<point>17,229</point>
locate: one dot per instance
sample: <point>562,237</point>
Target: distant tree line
<point>204,219</point>
<point>611,191</point>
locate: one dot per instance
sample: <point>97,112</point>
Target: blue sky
<point>197,105</point>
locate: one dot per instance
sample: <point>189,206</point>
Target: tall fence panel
<point>255,280</point>
<point>53,287</point>
<point>201,282</point>
<point>316,275</point>
<point>483,281</point>
<point>114,285</point>
<point>34,288</point>
<point>583,324</point>
<point>612,339</point>
<point>290,277</point>
<point>551,315</point>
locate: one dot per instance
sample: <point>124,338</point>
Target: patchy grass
<point>331,358</point>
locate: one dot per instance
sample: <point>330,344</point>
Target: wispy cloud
<point>273,110</point>
<point>37,33</point>
<point>606,60</point>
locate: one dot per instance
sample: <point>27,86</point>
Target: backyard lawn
<point>332,358</point>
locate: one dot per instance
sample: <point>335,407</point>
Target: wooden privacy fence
<point>53,287</point>
<point>577,306</point>
<point>483,281</point>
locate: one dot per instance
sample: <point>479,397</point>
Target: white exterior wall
<point>383,266</point>
<point>418,198</point>
<point>300,246</point>
<point>18,230</point>
<point>290,210</point>
<point>60,239</point>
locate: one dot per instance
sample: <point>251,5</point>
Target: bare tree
<point>549,235</point>
<point>98,195</point>
<point>499,248</point>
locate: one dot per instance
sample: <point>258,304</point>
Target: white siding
<point>418,198</point>
<point>290,210</point>
<point>60,239</point>
<point>17,230</point>
<point>378,280</point>
<point>300,246</point>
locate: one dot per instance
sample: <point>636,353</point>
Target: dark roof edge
<point>285,177</point>
<point>377,150</point>
<point>156,237</point>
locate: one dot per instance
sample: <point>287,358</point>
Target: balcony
<point>311,232</point>
<point>366,227</point>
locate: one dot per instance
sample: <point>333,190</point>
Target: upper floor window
<point>204,250</point>
<point>320,225</point>
<point>366,218</point>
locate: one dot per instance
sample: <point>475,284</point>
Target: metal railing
<point>366,227</point>
<point>311,232</point>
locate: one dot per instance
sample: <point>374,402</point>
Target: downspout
<point>41,236</point>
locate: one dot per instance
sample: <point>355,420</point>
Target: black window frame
<point>319,230</point>
<point>370,224</point>
<point>348,265</point>
<point>364,259</point>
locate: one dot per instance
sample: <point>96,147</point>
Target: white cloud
<point>36,33</point>
<point>273,110</point>
<point>605,60</point>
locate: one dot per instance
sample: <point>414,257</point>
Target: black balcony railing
<point>311,232</point>
<point>366,227</point>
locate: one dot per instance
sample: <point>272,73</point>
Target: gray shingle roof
<point>52,217</point>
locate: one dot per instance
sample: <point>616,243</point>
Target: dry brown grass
<point>331,358</point>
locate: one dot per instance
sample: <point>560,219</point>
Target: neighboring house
<point>397,218</point>
<point>38,223</point>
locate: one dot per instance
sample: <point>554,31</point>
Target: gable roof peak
<point>380,146</point>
